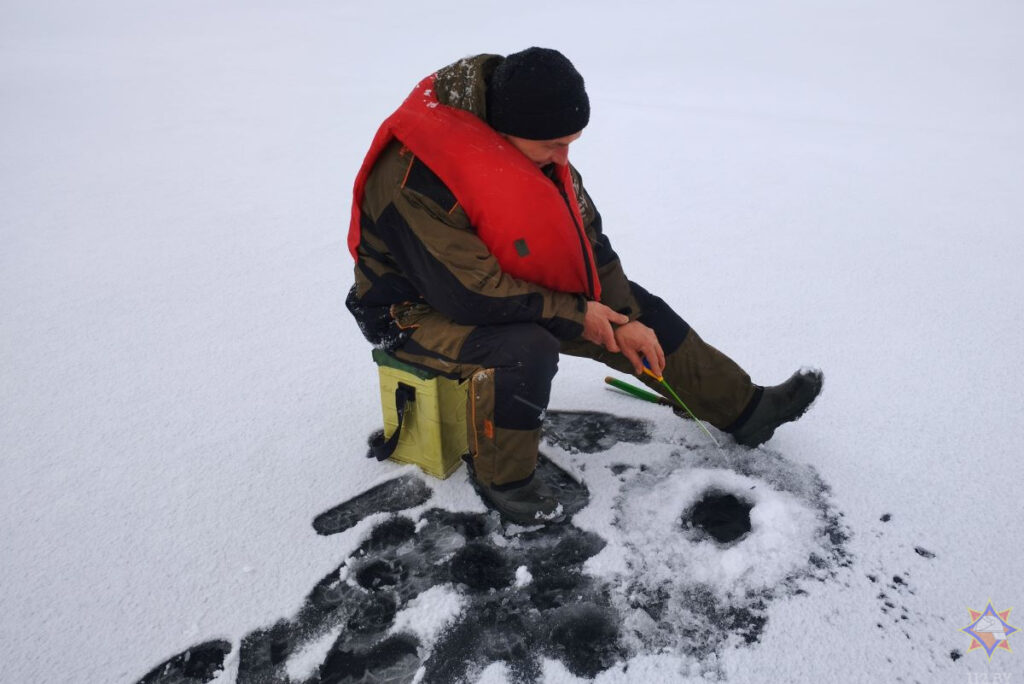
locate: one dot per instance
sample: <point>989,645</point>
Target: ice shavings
<point>495,673</point>
<point>304,663</point>
<point>553,515</point>
<point>427,615</point>
<point>675,587</point>
<point>781,539</point>
<point>523,576</point>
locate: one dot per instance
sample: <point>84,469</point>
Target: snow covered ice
<point>441,598</point>
<point>185,403</point>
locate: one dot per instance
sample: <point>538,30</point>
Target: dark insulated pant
<point>509,369</point>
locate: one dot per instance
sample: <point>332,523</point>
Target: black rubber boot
<point>780,404</point>
<point>534,503</point>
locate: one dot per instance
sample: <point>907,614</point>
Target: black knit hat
<point>537,94</point>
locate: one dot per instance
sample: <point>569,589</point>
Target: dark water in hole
<point>722,516</point>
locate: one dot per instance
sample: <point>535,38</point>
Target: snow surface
<point>182,391</point>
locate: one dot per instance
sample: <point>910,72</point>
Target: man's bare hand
<point>597,325</point>
<point>637,342</point>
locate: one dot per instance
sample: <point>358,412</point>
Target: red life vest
<point>535,233</point>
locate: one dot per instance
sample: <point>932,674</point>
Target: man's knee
<point>525,359</point>
<point>536,357</point>
<point>524,345</point>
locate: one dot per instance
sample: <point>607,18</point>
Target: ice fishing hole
<point>720,515</point>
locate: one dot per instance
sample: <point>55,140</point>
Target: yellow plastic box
<point>434,429</point>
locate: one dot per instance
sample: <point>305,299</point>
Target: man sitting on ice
<point>479,255</point>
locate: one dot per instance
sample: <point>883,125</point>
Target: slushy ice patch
<point>438,596</point>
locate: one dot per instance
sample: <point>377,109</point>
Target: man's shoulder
<point>399,172</point>
<point>420,179</point>
<point>385,176</point>
<point>463,84</point>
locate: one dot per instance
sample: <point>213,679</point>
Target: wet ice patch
<point>639,574</point>
<point>199,664</point>
<point>588,432</point>
<point>394,495</point>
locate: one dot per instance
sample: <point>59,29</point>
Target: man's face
<point>544,152</point>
